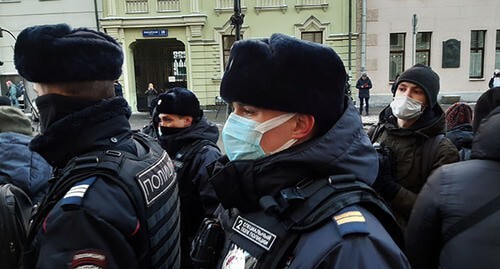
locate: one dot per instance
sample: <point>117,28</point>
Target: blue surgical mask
<point>241,136</point>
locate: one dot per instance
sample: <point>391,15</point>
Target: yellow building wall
<point>199,24</point>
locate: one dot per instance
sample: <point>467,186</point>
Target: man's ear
<point>188,120</point>
<point>304,126</point>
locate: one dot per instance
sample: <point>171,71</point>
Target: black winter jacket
<point>452,193</point>
<point>407,146</point>
<point>197,196</point>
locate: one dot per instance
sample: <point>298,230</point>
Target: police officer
<point>113,199</point>
<point>292,129</point>
<point>190,139</point>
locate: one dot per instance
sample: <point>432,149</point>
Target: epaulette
<point>350,221</point>
<point>74,197</point>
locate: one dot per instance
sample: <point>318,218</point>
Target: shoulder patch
<point>74,197</point>
<point>350,221</point>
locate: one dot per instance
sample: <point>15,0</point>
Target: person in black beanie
<point>410,136</point>
<point>107,207</point>
<point>293,130</point>
<point>190,139</point>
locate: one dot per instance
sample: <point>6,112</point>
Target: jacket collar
<point>92,128</point>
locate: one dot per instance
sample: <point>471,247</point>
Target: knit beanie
<point>286,74</point>
<point>488,101</point>
<point>458,114</point>
<point>424,77</point>
<point>12,119</point>
<point>179,101</point>
<point>57,53</point>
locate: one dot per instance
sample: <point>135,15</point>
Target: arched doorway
<point>161,62</point>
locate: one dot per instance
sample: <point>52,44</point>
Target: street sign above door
<point>155,33</point>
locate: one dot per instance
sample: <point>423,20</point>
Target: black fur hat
<point>287,74</point>
<point>179,101</point>
<point>426,78</point>
<point>57,53</point>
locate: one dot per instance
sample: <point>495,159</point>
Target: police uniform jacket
<point>197,196</point>
<point>344,149</point>
<point>99,227</point>
<point>451,194</point>
<point>406,146</point>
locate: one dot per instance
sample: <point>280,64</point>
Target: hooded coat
<point>451,194</point>
<point>344,149</point>
<point>22,167</point>
<point>406,146</point>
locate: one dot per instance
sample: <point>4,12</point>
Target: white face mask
<point>406,108</point>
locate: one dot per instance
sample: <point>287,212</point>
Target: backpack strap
<point>429,151</point>
<point>471,219</point>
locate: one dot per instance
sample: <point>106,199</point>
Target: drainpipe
<point>96,13</point>
<point>363,36</point>
<point>350,37</point>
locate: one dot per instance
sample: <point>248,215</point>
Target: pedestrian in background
<point>455,220</point>
<point>12,93</point>
<point>495,79</point>
<point>364,85</point>
<point>118,88</point>
<point>103,210</point>
<point>191,141</point>
<point>152,95</point>
<point>410,133</point>
<point>304,136</point>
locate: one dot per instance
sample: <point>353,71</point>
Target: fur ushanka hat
<point>179,101</point>
<point>57,53</point>
<point>286,74</point>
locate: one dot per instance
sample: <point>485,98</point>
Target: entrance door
<point>161,62</point>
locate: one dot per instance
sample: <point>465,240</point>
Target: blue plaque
<point>155,33</point>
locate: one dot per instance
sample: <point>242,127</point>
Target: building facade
<point>459,39</point>
<point>186,42</point>
<point>15,15</point>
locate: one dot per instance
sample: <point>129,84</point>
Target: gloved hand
<point>386,184</point>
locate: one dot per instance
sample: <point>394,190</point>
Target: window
<point>227,43</point>
<point>136,6</point>
<point>423,50</point>
<point>497,51</point>
<point>396,55</point>
<point>476,54</point>
<point>316,37</point>
<point>179,65</point>
<point>168,5</point>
